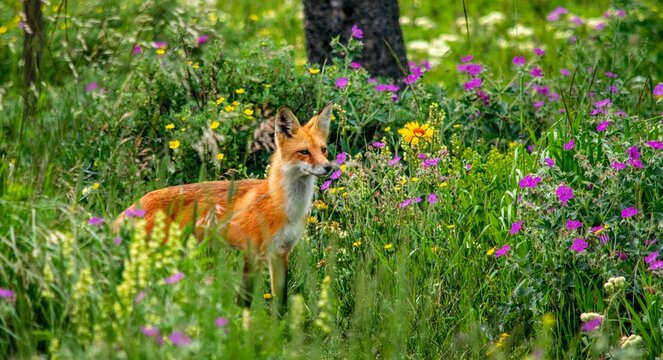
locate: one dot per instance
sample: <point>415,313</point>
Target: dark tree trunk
<point>325,19</point>
<point>33,41</point>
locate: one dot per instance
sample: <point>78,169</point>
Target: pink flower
<point>591,325</point>
<point>140,297</point>
<point>502,251</point>
<point>395,160</point>
<point>153,333</point>
<point>177,277</point>
<point>117,241</point>
<point>335,175</point>
<point>7,294</point>
<point>629,212</point>
<point>405,203</point>
<point>137,50</point>
<point>565,72</point>
<point>432,198</point>
<point>357,33</point>
<point>618,165</point>
<point>91,86</point>
<point>602,126</point>
<point>539,51</point>
<point>536,72</point>
<point>651,257</point>
<point>133,212</point>
<point>550,162</point>
<point>431,162</point>
<point>538,104</point>
<point>96,220</point>
<point>570,145</point>
<point>180,339</point>
<point>515,227</point>
<point>579,245</point>
<point>555,14</point>
<point>202,39</point>
<point>467,58</point>
<point>221,322</point>
<point>529,181</point>
<point>355,65</point>
<point>159,44</point>
<point>573,224</point>
<point>655,144</point>
<point>656,265</point>
<point>564,194</point>
<point>341,82</point>
<point>341,158</point>
<point>325,185</point>
<point>472,84</point>
<point>471,69</point>
<point>576,20</point>
<point>658,90</point>
<point>518,60</point>
<point>378,144</point>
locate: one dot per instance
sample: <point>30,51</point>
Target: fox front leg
<point>278,273</point>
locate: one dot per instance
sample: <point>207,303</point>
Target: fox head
<point>303,149</point>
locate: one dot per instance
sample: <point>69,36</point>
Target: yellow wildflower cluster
<point>81,304</point>
<point>614,284</point>
<point>324,321</point>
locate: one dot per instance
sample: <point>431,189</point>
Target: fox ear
<point>321,121</point>
<point>286,122</point>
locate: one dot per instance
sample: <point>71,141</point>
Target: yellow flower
<point>174,144</point>
<point>343,168</point>
<point>220,100</point>
<point>161,51</point>
<point>229,108</point>
<point>214,125</point>
<point>434,249</point>
<point>170,126</point>
<point>356,244</point>
<point>387,129</point>
<point>239,91</point>
<point>235,103</point>
<point>248,112</point>
<point>253,17</point>
<point>412,133</point>
<point>96,186</point>
<point>606,226</point>
<point>414,179</point>
<point>3,29</point>
<point>320,205</point>
<point>267,296</point>
<point>220,156</point>
<point>451,226</point>
<point>490,251</point>
<point>314,71</point>
<point>548,320</point>
<point>443,184</point>
<point>388,246</point>
<point>312,220</point>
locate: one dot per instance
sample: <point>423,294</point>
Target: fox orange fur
<point>264,217</point>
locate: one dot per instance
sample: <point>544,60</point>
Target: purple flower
<point>336,174</point>
<point>539,51</point>
<point>603,238</point>
<point>325,185</point>
<point>139,297</point>
<point>179,338</point>
<point>357,33</point>
<point>221,322</point>
<point>472,84</point>
<point>529,181</point>
<point>611,75</point>
<point>7,294</point>
<point>91,86</point>
<point>96,220</point>
<point>564,194</point>
<point>159,44</point>
<point>636,163</point>
<point>133,212</point>
<point>153,333</point>
<point>515,227</point>
<point>602,126</point>
<point>471,69</point>
<point>395,160</point>
<point>405,203</point>
<point>555,14</point>
<point>177,277</point>
<point>341,82</point>
<point>411,79</point>
<point>655,144</point>
<point>467,58</point>
<point>573,224</point>
<point>530,148</point>
<point>570,145</point>
<point>651,257</point>
<point>658,90</point>
<point>502,251</point>
<point>565,72</point>
<point>596,229</point>
<point>576,20</point>
<point>355,65</point>
<point>579,245</point>
<point>591,325</point>
<point>536,72</point>
<point>629,212</point>
<point>613,89</point>
<point>431,162</point>
<point>422,156</point>
<point>432,198</point>
<point>518,60</point>
<point>600,26</point>
<point>656,265</point>
<point>620,13</point>
<point>417,199</point>
<point>543,90</point>
<point>468,167</point>
<point>538,104</point>
<point>550,162</point>
<point>378,144</point>
<point>202,39</point>
<point>618,165</point>
<point>117,241</point>
<point>341,158</point>
<point>633,152</point>
<point>137,50</point>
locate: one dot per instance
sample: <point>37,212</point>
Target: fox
<point>265,218</point>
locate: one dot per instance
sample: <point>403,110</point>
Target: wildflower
<point>570,145</point>
<point>214,125</point>
<point>502,251</point>
<point>655,144</point>
<point>658,90</point>
<point>656,265</point>
<point>591,325</point>
<point>220,156</point>
<point>313,71</point>
<point>412,133</point>
<point>395,160</point>
<point>378,144</point>
<point>221,322</point>
<point>248,112</point>
<point>229,108</point>
<point>618,165</point>
<point>529,181</point>
<point>341,158</point>
<point>565,72</point>
<point>312,220</point>
<point>96,220</point>
<point>341,82</point>
<point>239,91</point>
<point>519,60</point>
<point>550,162</point>
<point>632,341</point>
<point>137,50</point>
<point>267,296</point>
<point>153,333</point>
<point>573,224</point>
<point>159,44</point>
<point>614,284</point>
<point>356,244</point>
<point>539,51</point>
<point>161,51</point>
<point>613,89</point>
<point>325,185</point>
<point>220,100</point>
<point>629,212</point>
<point>357,33</point>
<point>651,257</point>
<point>579,245</point>
<point>472,84</point>
<point>468,167</point>
<point>355,65</point>
<point>405,203</point>
<point>471,69</point>
<point>431,162</point>
<point>564,194</point>
<point>170,126</point>
<point>432,198</point>
<point>202,39</point>
<point>577,20</point>
<point>140,297</point>
<point>335,175</point>
<point>467,58</point>
<point>515,227</point>
<point>177,277</point>
<point>602,126</point>
<point>603,238</point>
<point>388,246</point>
<point>134,213</point>
<point>536,72</point>
<point>117,241</point>
<point>538,104</point>
<point>451,226</point>
<point>179,338</point>
<point>91,86</point>
<point>555,14</point>
<point>490,251</point>
<point>174,144</point>
<point>7,294</point>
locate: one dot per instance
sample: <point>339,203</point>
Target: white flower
<point>448,38</point>
<point>424,22</point>
<point>418,45</point>
<point>460,22</point>
<point>438,48</point>
<point>405,20</point>
<point>492,18</point>
<point>520,31</point>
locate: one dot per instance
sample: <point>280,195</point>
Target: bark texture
<point>378,19</point>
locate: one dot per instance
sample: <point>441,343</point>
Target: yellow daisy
<point>174,144</point>
<point>412,133</point>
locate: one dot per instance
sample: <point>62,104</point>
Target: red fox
<point>264,217</point>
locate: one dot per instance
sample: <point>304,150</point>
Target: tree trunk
<point>325,19</point>
<point>33,41</point>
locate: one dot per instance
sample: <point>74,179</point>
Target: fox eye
<point>304,152</point>
<point>324,150</point>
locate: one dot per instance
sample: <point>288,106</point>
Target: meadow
<point>504,201</point>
